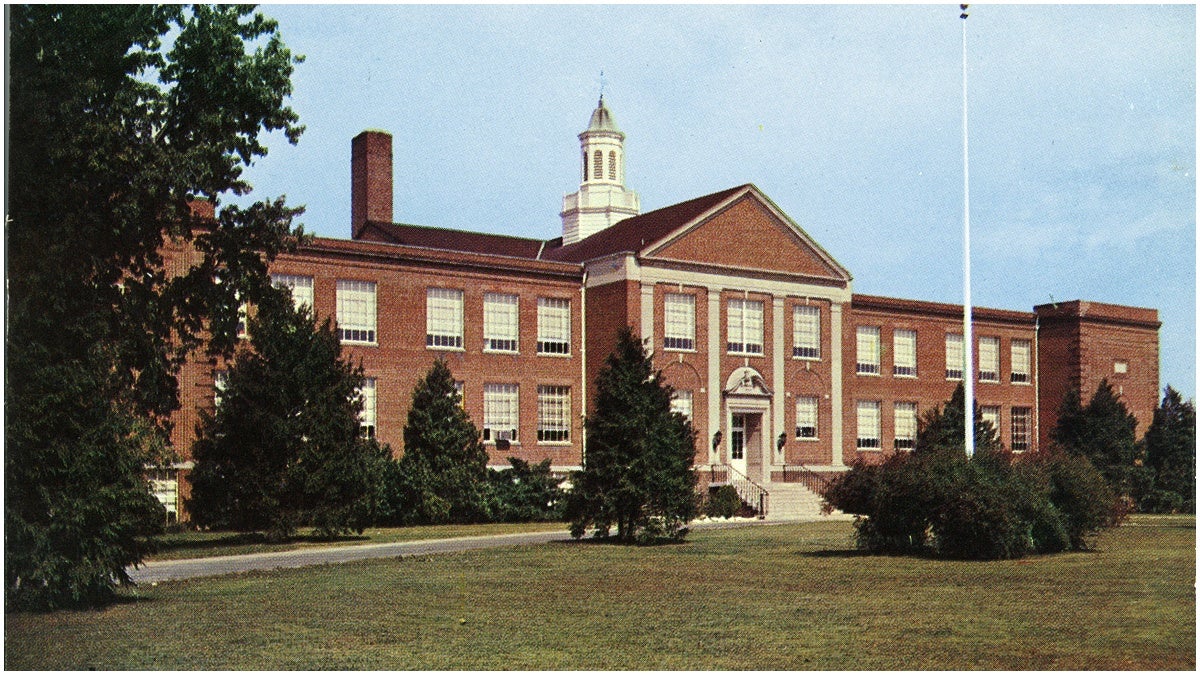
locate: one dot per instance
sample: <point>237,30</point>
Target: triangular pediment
<point>748,231</point>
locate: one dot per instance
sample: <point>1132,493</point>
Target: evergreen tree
<point>637,473</point>
<point>1103,431</point>
<point>943,428</point>
<point>122,114</point>
<point>285,447</point>
<point>444,465</point>
<point>1171,448</point>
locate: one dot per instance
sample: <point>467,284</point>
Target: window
<point>598,165</point>
<point>220,384</point>
<point>301,288</point>
<point>459,386</point>
<point>737,437</point>
<point>243,313</point>
<point>904,353</point>
<point>499,322</point>
<point>612,165</point>
<point>585,171</point>
<point>989,359</point>
<point>1020,429</point>
<point>991,415</point>
<point>367,417</point>
<point>954,357</point>
<point>868,425</point>
<point>904,414</point>
<point>554,326</point>
<point>1020,361</point>
<point>806,332</point>
<point>443,318</point>
<point>679,321</point>
<point>500,412</point>
<point>682,404</point>
<point>868,350</point>
<point>806,417</point>
<point>356,311</point>
<point>745,326</point>
<point>554,414</point>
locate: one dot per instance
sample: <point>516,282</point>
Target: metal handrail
<point>751,493</point>
<point>808,478</point>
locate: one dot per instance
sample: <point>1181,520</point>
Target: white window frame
<point>554,415</point>
<point>501,322</point>
<point>682,403</point>
<point>904,425</point>
<point>444,318</point>
<point>806,332</point>
<point>955,357</point>
<point>679,322</point>
<point>989,359</point>
<point>904,353</point>
<point>868,433</point>
<point>744,326</point>
<point>991,413</point>
<point>867,350</point>
<point>367,417</point>
<point>356,311</point>
<point>1022,354</point>
<point>1021,428</point>
<point>220,384</point>
<point>501,412</point>
<point>301,287</point>
<point>554,327</point>
<point>807,418</point>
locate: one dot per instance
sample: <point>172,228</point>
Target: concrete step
<point>792,501</point>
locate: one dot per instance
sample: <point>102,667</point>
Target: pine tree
<point>444,465</point>
<point>1171,448</point>
<point>943,428</point>
<point>1103,431</point>
<point>124,114</point>
<point>285,447</point>
<point>637,473</point>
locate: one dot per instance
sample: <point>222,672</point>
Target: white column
<point>647,327</point>
<point>779,382</point>
<point>835,380</point>
<point>715,349</point>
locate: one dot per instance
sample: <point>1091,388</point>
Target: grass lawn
<point>180,545</point>
<point>784,597</point>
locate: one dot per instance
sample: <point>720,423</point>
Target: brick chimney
<point>370,179</point>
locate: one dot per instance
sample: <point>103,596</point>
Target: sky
<point>1082,133</point>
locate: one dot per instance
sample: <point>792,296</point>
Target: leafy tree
<point>1103,431</point>
<point>285,446</point>
<point>943,428</point>
<point>637,473</point>
<point>444,466</point>
<point>1171,450</point>
<point>121,117</point>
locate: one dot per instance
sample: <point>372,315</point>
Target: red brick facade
<point>752,387</point>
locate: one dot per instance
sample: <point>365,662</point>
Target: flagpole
<point>968,338</point>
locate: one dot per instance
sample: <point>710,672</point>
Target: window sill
<point>1022,384</point>
<point>869,449</point>
<point>807,439</point>
<point>556,444</point>
<point>510,443</point>
<point>815,359</point>
<point>756,355</point>
<point>681,351</point>
<point>867,374</point>
<point>360,343</point>
<point>490,351</point>
<point>905,377</point>
<point>444,349</point>
<point>555,356</point>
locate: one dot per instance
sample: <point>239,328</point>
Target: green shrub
<point>1161,501</point>
<point>723,502</point>
<point>988,507</point>
<point>524,493</point>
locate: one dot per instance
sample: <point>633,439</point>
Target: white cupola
<point>602,200</point>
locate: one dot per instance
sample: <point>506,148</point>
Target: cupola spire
<point>602,200</point>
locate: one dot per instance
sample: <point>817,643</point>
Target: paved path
<point>165,570</point>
